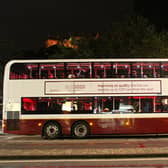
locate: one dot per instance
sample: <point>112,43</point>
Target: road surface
<point>97,152</point>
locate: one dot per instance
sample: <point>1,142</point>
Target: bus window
<point>125,105</point>
<point>164,70</point>
<point>151,70</point>
<point>85,105</point>
<point>41,105</point>
<point>145,70</point>
<point>128,104</point>
<point>147,105</point>
<point>33,71</point>
<point>105,104</point>
<point>49,105</point>
<point>157,104</point>
<point>136,70</point>
<point>51,71</point>
<point>136,104</point>
<point>59,69</point>
<point>84,70</point>
<point>47,71</point>
<point>72,70</point>
<point>99,70</point>
<point>19,71</point>
<point>114,105</point>
<point>79,70</point>
<point>122,70</point>
<point>109,70</point>
<point>102,70</point>
<point>77,105</point>
<point>29,105</point>
<point>164,102</point>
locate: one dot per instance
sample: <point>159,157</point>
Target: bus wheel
<point>80,129</point>
<point>51,130</point>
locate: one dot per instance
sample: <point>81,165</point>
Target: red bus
<point>82,97</point>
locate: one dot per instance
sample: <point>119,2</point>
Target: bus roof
<point>89,60</point>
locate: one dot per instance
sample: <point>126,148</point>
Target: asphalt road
<point>94,152</point>
<point>14,146</point>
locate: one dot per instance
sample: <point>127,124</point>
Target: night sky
<point>155,11</point>
<point>27,24</point>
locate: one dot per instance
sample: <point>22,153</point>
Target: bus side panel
<point>26,127</point>
<point>98,126</point>
<point>126,126</point>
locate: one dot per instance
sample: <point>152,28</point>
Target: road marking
<point>84,160</point>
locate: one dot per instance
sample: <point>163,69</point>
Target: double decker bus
<point>82,97</point>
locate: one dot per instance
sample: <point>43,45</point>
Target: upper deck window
<point>79,70</point>
<point>121,70</point>
<point>102,70</point>
<point>145,70</point>
<point>89,70</point>
<point>33,71</point>
<point>164,69</point>
<point>51,71</point>
<point>19,71</point>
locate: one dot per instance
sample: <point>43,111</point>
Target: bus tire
<point>52,130</point>
<point>80,129</point>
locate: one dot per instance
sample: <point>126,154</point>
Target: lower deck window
<point>94,105</point>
